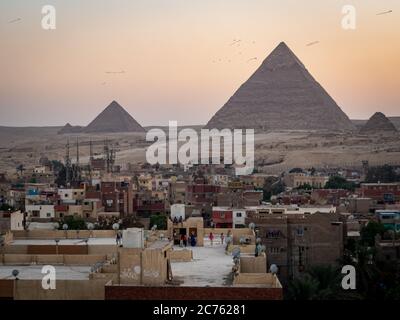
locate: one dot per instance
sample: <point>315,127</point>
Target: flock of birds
<point>235,43</point>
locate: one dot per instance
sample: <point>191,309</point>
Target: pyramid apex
<point>114,102</point>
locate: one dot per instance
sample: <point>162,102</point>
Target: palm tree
<point>303,288</point>
<point>320,283</point>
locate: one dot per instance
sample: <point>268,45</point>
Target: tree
<point>337,182</point>
<point>305,186</point>
<point>57,166</point>
<point>61,176</point>
<point>304,287</point>
<point>158,220</point>
<point>383,174</point>
<point>319,283</point>
<point>369,232</point>
<point>6,207</point>
<point>296,170</point>
<point>74,223</point>
<point>272,186</point>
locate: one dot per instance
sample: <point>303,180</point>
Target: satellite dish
<point>273,269</point>
<point>115,226</point>
<point>154,228</point>
<point>90,226</point>
<point>258,240</point>
<point>56,226</point>
<point>252,225</point>
<point>236,253</point>
<point>65,226</point>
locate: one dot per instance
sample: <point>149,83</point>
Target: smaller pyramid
<point>114,118</point>
<point>378,123</point>
<point>70,129</point>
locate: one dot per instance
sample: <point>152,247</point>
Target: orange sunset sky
<point>178,60</point>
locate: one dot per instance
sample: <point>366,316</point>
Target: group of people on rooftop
<point>183,241</point>
<point>211,237</point>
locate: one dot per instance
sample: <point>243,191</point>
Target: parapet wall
<point>124,292</point>
<point>61,234</point>
<point>65,290</point>
<point>252,264</point>
<point>237,234</point>
<point>257,279</point>
<point>108,250</point>
<point>25,259</point>
<point>181,255</point>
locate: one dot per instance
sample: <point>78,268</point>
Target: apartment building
<point>297,240</point>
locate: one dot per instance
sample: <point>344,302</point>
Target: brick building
<point>117,197</point>
<point>380,192</point>
<point>295,241</point>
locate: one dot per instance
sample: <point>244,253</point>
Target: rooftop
<point>35,272</point>
<point>210,266</point>
<point>91,241</point>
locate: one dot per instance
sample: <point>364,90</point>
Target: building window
<point>273,250</point>
<point>300,231</point>
<point>238,214</point>
<point>48,214</point>
<point>273,234</point>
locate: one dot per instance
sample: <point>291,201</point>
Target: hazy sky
<point>177,57</point>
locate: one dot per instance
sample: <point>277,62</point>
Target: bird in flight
<point>312,43</point>
<point>385,12</point>
<point>235,42</point>
<point>14,20</point>
<point>115,72</point>
<point>255,58</point>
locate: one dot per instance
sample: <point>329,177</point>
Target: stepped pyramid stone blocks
<point>281,95</point>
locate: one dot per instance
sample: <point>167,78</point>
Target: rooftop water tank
<point>178,211</point>
<point>133,238</point>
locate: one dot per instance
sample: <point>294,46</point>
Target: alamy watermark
<point>349,19</point>
<point>238,149</point>
<point>49,17</point>
<point>49,278</point>
<point>349,280</point>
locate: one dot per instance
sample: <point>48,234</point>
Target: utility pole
<point>67,165</point>
<point>91,149</point>
<point>90,160</point>
<point>77,152</point>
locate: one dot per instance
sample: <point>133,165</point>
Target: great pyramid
<point>378,123</point>
<point>281,95</point>
<point>114,118</point>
